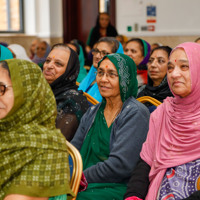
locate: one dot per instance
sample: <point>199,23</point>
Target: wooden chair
<point>149,99</point>
<point>76,168</point>
<point>92,100</point>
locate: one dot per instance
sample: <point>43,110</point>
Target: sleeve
<point>129,134</point>
<point>139,181</point>
<point>68,125</point>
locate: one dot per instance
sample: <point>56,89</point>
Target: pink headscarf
<point>174,131</point>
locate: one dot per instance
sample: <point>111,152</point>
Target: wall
<point>177,21</point>
<point>42,19</point>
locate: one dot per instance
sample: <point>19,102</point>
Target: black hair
<point>197,39</point>
<point>4,65</point>
<point>97,20</point>
<point>113,42</point>
<point>167,49</point>
<point>76,45</point>
<point>139,41</point>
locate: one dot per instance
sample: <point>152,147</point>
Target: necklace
<point>116,114</point>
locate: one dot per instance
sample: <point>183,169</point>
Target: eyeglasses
<point>111,75</point>
<point>3,88</point>
<point>102,53</point>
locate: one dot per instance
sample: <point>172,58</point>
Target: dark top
<point>71,104</point>
<point>95,34</point>
<point>159,92</point>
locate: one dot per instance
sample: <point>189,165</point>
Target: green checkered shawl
<point>33,153</point>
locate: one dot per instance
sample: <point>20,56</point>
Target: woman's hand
<point>83,184</point>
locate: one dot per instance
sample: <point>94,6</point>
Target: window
<point>11,16</point>
<point>104,6</point>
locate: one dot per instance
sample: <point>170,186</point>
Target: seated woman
<point>61,69</point>
<point>79,50</point>
<point>139,50</point>
<point>111,134</point>
<point>157,86</point>
<point>103,28</point>
<point>34,157</point>
<point>170,159</point>
<point>42,51</point>
<point>104,46</point>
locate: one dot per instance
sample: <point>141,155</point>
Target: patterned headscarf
<point>33,153</point>
<point>127,72</point>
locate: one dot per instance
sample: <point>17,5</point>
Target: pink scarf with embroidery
<point>174,130</point>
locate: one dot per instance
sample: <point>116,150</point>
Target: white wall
<point>43,18</point>
<point>174,17</point>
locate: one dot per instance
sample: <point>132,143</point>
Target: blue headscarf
<point>91,76</point>
<point>5,53</point>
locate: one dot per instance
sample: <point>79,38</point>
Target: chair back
<point>90,99</point>
<point>149,99</point>
<point>76,168</point>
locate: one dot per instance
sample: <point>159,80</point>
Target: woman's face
<point>100,51</point>
<point>7,98</point>
<point>134,51</point>
<point>108,80</point>
<point>56,64</point>
<point>104,20</point>
<point>157,66</point>
<point>41,49</point>
<point>178,73</point>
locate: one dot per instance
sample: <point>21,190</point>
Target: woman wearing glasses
<point>103,47</point>
<point>33,153</point>
<point>111,134</point>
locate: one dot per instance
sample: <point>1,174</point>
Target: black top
<point>95,35</point>
<point>71,104</point>
<point>159,92</point>
<point>139,181</point>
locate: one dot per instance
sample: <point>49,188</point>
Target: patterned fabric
<point>127,71</point>
<point>33,153</point>
<point>181,181</point>
<point>173,138</point>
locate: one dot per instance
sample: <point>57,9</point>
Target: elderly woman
<point>170,159</point>
<point>139,50</point>
<point>34,156</point>
<point>111,134</point>
<point>41,53</point>
<point>103,47</point>
<point>61,70</point>
<point>157,86</point>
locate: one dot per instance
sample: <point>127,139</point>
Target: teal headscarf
<point>127,71</point>
<point>5,53</point>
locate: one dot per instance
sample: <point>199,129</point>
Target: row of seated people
<point>110,135</point>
